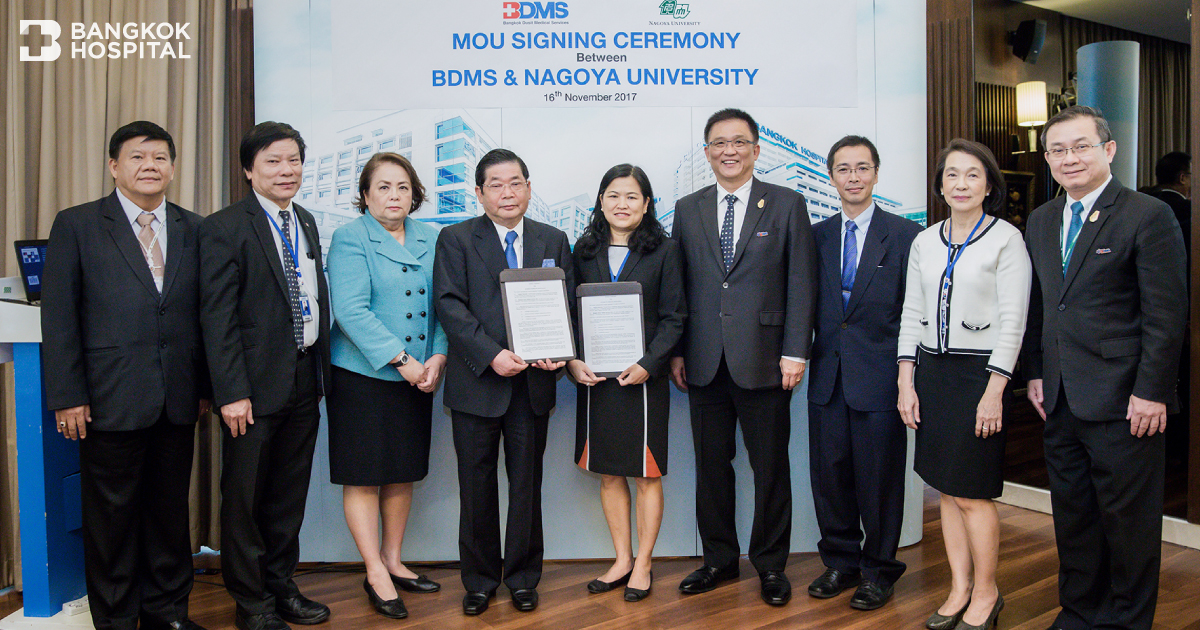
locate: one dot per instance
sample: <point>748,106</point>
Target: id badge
<point>305,307</point>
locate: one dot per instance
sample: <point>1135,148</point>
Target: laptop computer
<point>31,258</point>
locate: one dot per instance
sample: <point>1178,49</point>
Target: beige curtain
<point>1164,91</point>
<point>57,119</point>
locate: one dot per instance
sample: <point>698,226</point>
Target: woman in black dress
<point>621,428</point>
<point>965,304</point>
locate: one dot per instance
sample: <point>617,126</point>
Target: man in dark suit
<point>749,274</point>
<point>124,372</point>
<point>856,441</point>
<point>1106,318</point>
<point>490,391</point>
<point>266,328</point>
<point>1173,172</point>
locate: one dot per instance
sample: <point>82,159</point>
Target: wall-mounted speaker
<point>1028,39</point>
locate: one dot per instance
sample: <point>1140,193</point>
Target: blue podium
<point>48,475</point>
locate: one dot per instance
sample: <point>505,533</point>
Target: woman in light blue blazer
<point>388,352</point>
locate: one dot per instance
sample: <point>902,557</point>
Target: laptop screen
<point>31,258</point>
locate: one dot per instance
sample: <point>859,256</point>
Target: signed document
<point>536,315</point>
<point>611,327</point>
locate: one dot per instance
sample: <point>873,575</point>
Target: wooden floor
<point>1028,566</point>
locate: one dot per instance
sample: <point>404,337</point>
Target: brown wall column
<point>950,83</point>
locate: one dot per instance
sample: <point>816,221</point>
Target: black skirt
<point>949,457</point>
<point>622,431</point>
<point>378,430</point>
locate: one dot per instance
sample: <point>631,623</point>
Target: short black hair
<point>994,202</point>
<point>1077,111</point>
<point>1170,168</point>
<point>646,237</point>
<point>137,129</point>
<point>731,114</point>
<point>851,141</point>
<point>494,157</point>
<point>263,135</point>
<point>368,172</point>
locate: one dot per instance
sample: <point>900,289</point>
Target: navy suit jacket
<point>466,294</point>
<point>858,341</point>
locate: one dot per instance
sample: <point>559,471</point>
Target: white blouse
<point>988,296</point>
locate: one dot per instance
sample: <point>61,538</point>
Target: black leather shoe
<point>706,578</point>
<point>776,589</point>
<point>185,624</point>
<point>390,608</point>
<point>419,584</point>
<point>301,610</point>
<point>264,621</point>
<point>831,583</point>
<point>475,602</point>
<point>597,586</point>
<point>870,596</point>
<point>525,599</point>
<point>637,594</point>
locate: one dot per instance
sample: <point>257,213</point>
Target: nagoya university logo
<point>677,10</point>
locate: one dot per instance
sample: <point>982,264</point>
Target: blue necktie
<point>1072,233</point>
<point>727,231</point>
<point>510,254</point>
<point>849,262</point>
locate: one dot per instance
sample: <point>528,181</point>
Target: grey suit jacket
<point>109,339</point>
<point>1113,326</point>
<point>762,308</point>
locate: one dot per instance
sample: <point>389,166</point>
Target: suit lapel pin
<point>762,202</point>
<point>1095,215</point>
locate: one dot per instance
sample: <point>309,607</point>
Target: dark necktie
<point>510,252</point>
<point>849,262</point>
<point>1072,233</point>
<point>727,231</point>
<point>293,280</point>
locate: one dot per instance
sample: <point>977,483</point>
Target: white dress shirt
<point>1088,201</point>
<point>159,225</point>
<point>739,208</point>
<point>862,223</point>
<point>307,265</point>
<point>518,245</point>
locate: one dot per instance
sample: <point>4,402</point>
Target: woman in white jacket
<point>964,315</point>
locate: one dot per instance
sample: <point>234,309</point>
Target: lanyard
<point>291,250</point>
<point>951,256</point>
<point>621,268</point>
<point>148,252</point>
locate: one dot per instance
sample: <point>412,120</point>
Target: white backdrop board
<point>410,76</point>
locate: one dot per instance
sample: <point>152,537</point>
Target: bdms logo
<point>45,51</point>
<point>535,10</point>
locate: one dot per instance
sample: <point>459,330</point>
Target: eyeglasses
<point>497,187</point>
<point>844,171</point>
<point>739,144</point>
<point>1079,149</point>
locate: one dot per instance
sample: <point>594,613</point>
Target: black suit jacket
<point>664,309</point>
<point>859,341</point>
<point>466,294</point>
<point>1114,326</point>
<point>762,308</point>
<point>247,317</point>
<point>109,339</point>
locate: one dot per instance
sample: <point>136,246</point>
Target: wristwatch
<point>403,358</point>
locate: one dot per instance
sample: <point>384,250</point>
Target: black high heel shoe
<point>391,608</point>
<point>992,621</point>
<point>596,586</point>
<point>938,621</point>
<point>637,594</point>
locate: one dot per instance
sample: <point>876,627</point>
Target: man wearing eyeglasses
<point>749,275</point>
<point>492,392</point>
<point>857,445</point>
<point>1106,319</point>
